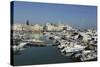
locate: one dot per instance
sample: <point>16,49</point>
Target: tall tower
<point>27,22</point>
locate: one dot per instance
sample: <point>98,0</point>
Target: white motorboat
<point>19,47</point>
<point>88,55</point>
<point>69,50</point>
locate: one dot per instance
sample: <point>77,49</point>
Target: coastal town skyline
<point>44,33</point>
<point>39,13</point>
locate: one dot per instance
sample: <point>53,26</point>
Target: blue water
<point>40,55</point>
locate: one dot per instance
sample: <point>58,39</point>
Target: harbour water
<point>40,55</point>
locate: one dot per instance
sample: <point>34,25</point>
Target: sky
<point>78,16</point>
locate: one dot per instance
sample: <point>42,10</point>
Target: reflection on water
<point>39,55</point>
<point>37,35</point>
<point>40,36</point>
